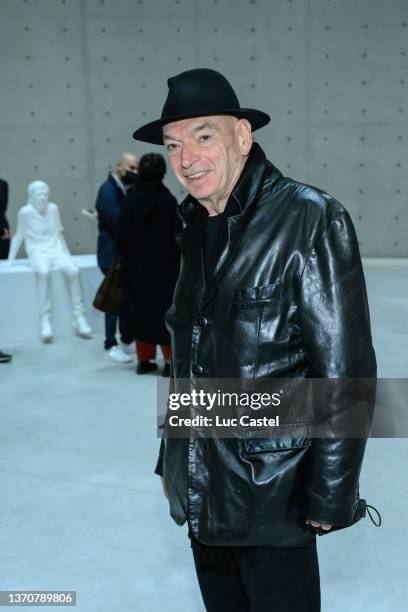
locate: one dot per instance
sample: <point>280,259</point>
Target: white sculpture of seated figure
<point>39,226</point>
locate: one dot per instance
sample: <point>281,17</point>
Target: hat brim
<point>152,132</point>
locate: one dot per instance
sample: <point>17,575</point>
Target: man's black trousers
<point>258,579</point>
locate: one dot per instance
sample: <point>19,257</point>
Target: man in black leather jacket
<point>271,286</point>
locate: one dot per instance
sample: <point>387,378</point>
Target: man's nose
<point>189,155</point>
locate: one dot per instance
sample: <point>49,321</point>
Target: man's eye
<point>171,147</point>
<point>205,137</point>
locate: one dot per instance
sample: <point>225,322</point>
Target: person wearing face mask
<point>39,227</point>
<point>108,202</point>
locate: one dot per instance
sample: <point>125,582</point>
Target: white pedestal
<point>19,318</point>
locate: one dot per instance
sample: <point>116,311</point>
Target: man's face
<point>206,153</point>
<point>127,163</point>
<point>39,198</point>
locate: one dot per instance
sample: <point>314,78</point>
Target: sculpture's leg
<point>41,265</point>
<point>80,323</point>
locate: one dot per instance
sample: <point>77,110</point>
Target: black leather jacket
<point>293,257</point>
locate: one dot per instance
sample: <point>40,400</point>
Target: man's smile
<point>196,176</point>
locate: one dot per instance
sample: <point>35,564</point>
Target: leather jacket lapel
<point>191,243</point>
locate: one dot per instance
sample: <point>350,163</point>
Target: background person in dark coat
<point>108,202</point>
<point>4,240</point>
<point>4,225</point>
<point>148,224</point>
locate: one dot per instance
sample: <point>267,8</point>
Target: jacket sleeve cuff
<point>315,509</point>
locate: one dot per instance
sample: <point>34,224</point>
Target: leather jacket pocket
<point>246,317</point>
<point>295,437</point>
<point>255,296</point>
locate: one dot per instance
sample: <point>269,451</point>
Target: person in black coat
<point>148,225</point>
<point>4,240</point>
<point>4,225</point>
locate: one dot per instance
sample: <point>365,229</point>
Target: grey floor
<point>81,509</point>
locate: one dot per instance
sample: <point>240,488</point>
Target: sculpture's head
<point>38,193</point>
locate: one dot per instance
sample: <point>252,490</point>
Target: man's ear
<point>244,136</point>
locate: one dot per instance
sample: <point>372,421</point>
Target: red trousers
<point>146,351</point>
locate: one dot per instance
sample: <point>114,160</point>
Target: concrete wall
<point>78,76</point>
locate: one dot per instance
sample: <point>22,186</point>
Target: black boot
<point>143,367</point>
<point>4,357</point>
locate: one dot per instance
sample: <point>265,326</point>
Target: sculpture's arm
<point>61,230</point>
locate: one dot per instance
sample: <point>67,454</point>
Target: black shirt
<point>216,236</point>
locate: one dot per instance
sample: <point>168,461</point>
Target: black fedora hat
<point>197,93</point>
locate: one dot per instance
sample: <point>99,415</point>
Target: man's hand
<point>322,525</point>
<point>5,234</point>
<point>164,486</point>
